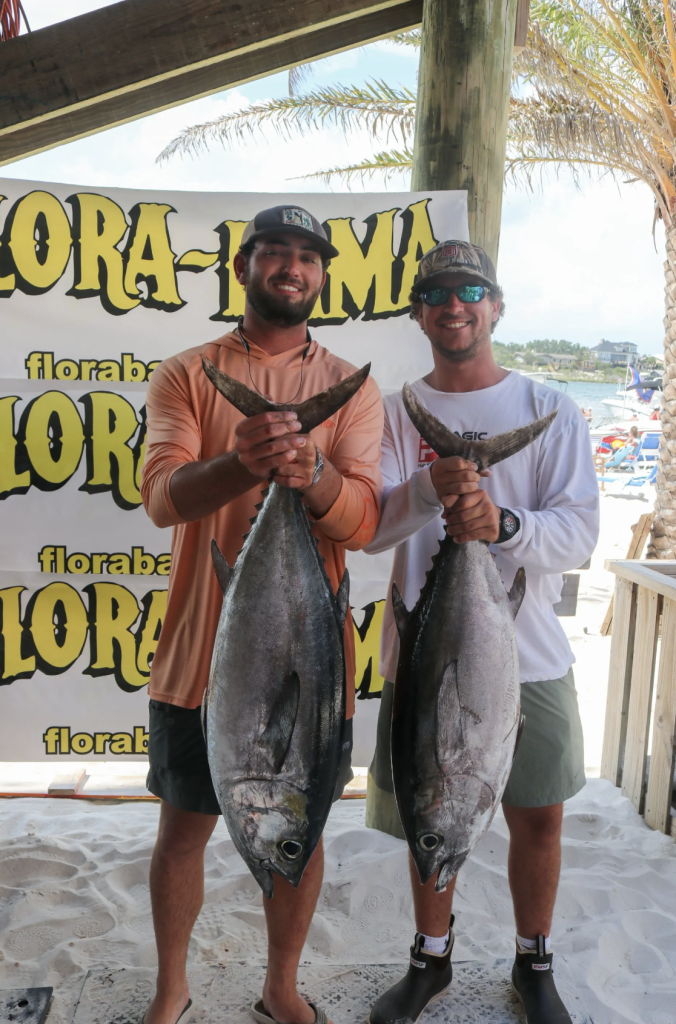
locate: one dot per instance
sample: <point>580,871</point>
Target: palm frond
<point>388,163</point>
<point>383,110</point>
<point>410,38</point>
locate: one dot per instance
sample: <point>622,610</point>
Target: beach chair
<point>623,457</point>
<point>648,450</point>
<point>641,479</point>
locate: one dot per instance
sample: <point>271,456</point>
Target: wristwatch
<point>510,525</point>
<point>319,468</point>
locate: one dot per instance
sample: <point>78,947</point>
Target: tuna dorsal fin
<point>311,413</point>
<point>485,453</point>
<point>276,736</point>
<point>401,612</point>
<point>222,568</point>
<point>517,591</point>
<point>449,716</point>
<point>343,597</point>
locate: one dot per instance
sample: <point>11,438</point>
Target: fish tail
<point>310,413</point>
<point>484,453</point>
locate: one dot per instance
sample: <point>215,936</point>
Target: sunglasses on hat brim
<point>438,295</point>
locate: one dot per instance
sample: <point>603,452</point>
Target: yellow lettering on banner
<point>108,369</point>
<point>148,633</point>
<point>141,738</point>
<point>101,738</point>
<point>368,680</point>
<point>99,225</point>
<point>132,369</point>
<point>110,424</point>
<point>119,564</point>
<point>57,620</point>
<point>231,292</point>
<point>51,430</point>
<point>8,283</point>
<point>417,239</point>
<point>121,743</point>
<point>37,231</point>
<point>14,664</point>
<point>11,482</point>
<point>82,743</point>
<point>163,565</point>
<point>148,255</point>
<point>140,449</point>
<point>360,278</point>
<point>113,610</point>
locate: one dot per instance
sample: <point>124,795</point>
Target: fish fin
<point>277,734</point>
<point>311,413</point>
<point>343,597</point>
<point>449,715</point>
<point>320,407</point>
<point>238,394</point>
<point>401,612</point>
<point>485,453</point>
<point>519,734</point>
<point>223,570</point>
<point>203,715</point>
<point>517,591</point>
<point>263,876</point>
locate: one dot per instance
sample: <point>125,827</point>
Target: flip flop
<point>258,1013</point>
<point>181,1017</point>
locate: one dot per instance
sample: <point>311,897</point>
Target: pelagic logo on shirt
<point>426,455</point>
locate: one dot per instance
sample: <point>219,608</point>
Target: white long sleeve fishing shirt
<point>550,485</point>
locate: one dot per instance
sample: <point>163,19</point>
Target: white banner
<point>96,288</point>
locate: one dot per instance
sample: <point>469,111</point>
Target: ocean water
<point>589,395</point>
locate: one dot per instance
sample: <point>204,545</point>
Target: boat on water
<point>635,401</point>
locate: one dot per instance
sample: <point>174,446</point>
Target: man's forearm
<point>199,488</point>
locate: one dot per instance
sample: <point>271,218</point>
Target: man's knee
<point>183,833</point>
<point>537,824</point>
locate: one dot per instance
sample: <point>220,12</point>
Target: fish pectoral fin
<point>517,591</point>
<point>223,570</point>
<point>276,736</point>
<point>401,612</point>
<point>449,715</point>
<point>343,597</point>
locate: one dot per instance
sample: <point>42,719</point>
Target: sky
<point>576,261</point>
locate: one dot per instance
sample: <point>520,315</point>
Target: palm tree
<point>594,89</point>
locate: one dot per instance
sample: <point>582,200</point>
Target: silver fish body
<point>456,707</point>
<point>275,704</point>
<point>274,709</point>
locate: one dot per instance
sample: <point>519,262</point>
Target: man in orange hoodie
<point>204,472</point>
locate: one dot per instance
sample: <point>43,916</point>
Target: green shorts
<point>548,767</point>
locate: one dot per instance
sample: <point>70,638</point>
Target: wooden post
<point>660,779</point>
<point>640,533</point>
<point>463,106</point>
<point>640,699</point>
<point>619,681</point>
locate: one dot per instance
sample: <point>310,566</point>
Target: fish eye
<point>429,841</point>
<point>290,849</point>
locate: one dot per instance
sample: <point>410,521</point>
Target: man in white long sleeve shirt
<point>539,510</point>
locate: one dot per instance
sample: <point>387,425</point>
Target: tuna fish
<point>274,709</point>
<point>456,707</point>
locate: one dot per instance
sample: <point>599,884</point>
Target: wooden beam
<point>137,57</point>
<point>648,608</point>
<point>658,575</point>
<point>521,26</point>
<point>463,106</point>
<point>661,775</point>
<point>619,682</point>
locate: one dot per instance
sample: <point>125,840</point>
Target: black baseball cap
<point>289,218</point>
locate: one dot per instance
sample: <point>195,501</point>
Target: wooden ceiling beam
<point>137,57</point>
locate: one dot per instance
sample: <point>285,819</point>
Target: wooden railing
<point>644,620</point>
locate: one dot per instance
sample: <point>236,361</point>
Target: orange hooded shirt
<point>189,420</point>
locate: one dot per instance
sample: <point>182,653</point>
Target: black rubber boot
<point>429,977</point>
<point>533,982</point>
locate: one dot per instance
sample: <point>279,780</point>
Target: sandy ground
<point>74,893</point>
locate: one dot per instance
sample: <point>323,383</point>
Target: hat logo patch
<point>450,250</point>
<point>298,218</point>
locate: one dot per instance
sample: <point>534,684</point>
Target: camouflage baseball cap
<point>455,257</point>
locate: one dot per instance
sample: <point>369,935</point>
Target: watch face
<point>509,524</point>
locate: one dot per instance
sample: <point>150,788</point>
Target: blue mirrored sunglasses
<point>465,292</point>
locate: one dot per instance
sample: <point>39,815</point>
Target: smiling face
<point>283,277</point>
<point>459,331</point>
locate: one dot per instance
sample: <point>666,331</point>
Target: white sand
<point>74,893</point>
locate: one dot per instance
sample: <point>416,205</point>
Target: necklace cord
<point>245,345</point>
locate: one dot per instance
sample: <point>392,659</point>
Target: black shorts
<point>179,770</point>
